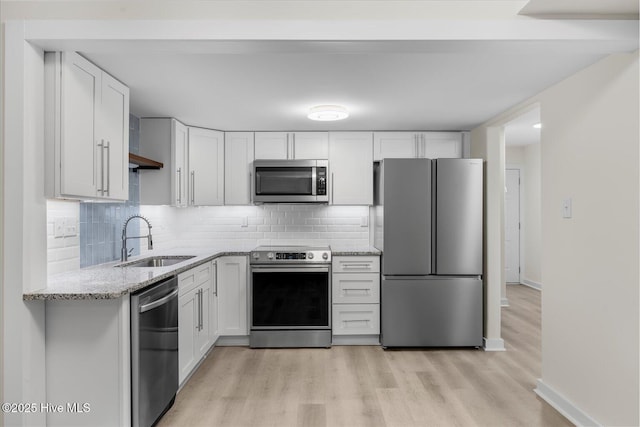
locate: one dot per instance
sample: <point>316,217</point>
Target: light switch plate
<point>566,207</point>
<point>58,227</point>
<point>364,221</point>
<point>245,221</point>
<point>70,227</point>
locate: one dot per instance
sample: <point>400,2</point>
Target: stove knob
<point>270,255</point>
<point>310,255</point>
<point>255,255</point>
<point>325,256</point>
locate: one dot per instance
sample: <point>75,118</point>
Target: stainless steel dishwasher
<point>154,352</point>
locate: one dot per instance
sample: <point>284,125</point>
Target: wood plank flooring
<point>367,386</point>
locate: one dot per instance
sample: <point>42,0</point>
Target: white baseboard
<point>532,284</point>
<point>564,405</point>
<point>493,344</point>
<point>504,302</point>
<point>355,340</point>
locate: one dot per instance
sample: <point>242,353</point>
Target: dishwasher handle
<point>159,302</point>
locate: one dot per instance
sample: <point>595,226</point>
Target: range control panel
<point>275,254</point>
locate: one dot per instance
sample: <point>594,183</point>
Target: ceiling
<point>520,131</point>
<point>386,85</point>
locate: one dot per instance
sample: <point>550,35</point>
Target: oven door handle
<point>290,269</point>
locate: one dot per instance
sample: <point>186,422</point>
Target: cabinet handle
<point>107,146</point>
<point>288,146</point>
<point>331,187</point>
<point>215,278</point>
<point>179,172</point>
<point>423,145</point>
<point>193,187</point>
<point>101,146</point>
<point>293,145</point>
<point>250,195</point>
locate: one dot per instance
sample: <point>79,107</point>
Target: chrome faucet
<point>124,255</point>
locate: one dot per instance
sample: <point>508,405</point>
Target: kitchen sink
<point>156,261</point>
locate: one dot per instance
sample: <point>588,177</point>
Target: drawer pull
<point>351,291</point>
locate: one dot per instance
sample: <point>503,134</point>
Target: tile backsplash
<point>63,241</point>
<point>244,227</point>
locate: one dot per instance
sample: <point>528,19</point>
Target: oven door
<point>290,298</point>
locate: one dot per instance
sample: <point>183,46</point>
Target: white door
<point>238,155</point>
<point>272,145</point>
<point>512,225</point>
<point>206,167</point>
<point>397,145</point>
<point>351,167</point>
<point>310,145</point>
<point>114,134</point>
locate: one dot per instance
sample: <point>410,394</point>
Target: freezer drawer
<point>431,312</point>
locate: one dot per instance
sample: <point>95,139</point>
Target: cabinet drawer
<point>356,319</point>
<point>356,288</point>
<point>356,264</point>
<point>194,277</point>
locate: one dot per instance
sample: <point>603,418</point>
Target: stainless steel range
<point>290,296</point>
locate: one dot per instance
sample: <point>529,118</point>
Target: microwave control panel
<point>321,184</point>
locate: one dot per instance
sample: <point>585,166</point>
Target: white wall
<point>23,226</point>
<point>590,263</point>
<point>527,158</point>
<point>482,146</point>
<point>590,153</point>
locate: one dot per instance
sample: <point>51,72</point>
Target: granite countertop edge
<point>95,283</point>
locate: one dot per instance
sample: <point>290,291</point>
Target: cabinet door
<point>213,318</point>
<point>238,159</point>
<point>351,167</point>
<point>180,166</point>
<point>80,103</point>
<point>232,295</point>
<point>272,145</point>
<point>394,145</point>
<point>187,316</point>
<point>438,145</point>
<point>309,145</point>
<point>114,135</point>
<point>203,337</point>
<point>206,167</point>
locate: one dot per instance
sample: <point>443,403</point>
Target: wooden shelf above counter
<point>138,162</point>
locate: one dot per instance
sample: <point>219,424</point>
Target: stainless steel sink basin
<point>156,261</point>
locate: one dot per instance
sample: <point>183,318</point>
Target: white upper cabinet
<point>165,140</point>
<point>291,145</point>
<point>193,158</point>
<point>87,130</point>
<point>394,145</point>
<point>351,167</point>
<point>430,145</point>
<point>439,145</point>
<point>206,167</point>
<point>238,159</point>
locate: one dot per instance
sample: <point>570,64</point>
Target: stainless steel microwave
<point>291,181</point>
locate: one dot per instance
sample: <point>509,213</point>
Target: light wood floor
<point>367,386</point>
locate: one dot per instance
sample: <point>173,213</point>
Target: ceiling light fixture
<point>537,125</point>
<point>326,113</point>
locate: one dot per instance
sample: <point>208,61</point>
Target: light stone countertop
<point>106,281</point>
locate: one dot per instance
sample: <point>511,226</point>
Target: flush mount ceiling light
<point>327,113</point>
<point>537,125</point>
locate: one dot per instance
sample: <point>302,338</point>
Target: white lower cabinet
<point>355,284</point>
<point>196,310</point>
<point>232,296</point>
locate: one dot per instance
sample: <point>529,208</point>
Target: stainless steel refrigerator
<point>428,225</point>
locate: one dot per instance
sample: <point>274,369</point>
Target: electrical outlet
<point>70,227</point>
<point>58,228</point>
<point>364,221</point>
<point>245,221</point>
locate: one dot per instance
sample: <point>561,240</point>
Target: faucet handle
<point>130,251</point>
